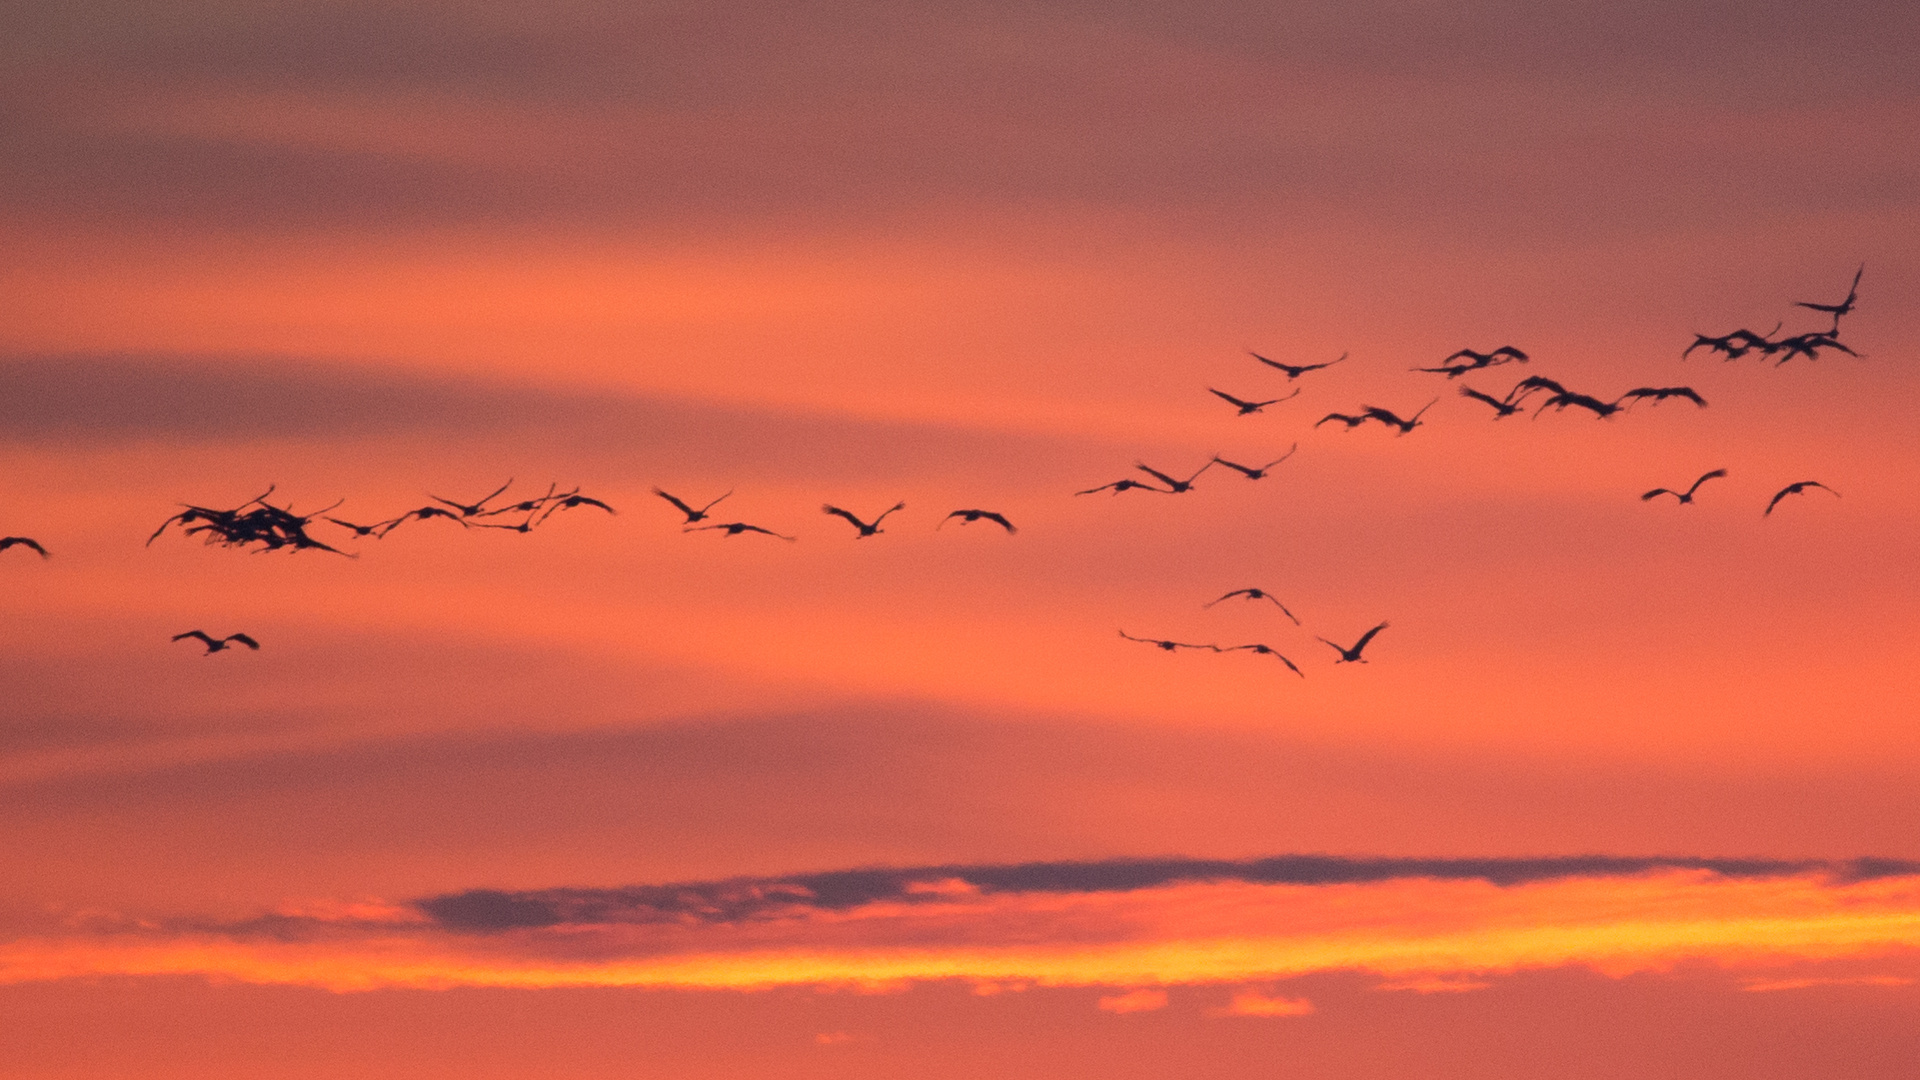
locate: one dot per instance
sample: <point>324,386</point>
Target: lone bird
<point>1294,371</point>
<point>1251,472</point>
<point>1686,496</point>
<point>23,541</point>
<point>1248,408</point>
<point>1844,307</point>
<point>866,530</point>
<point>1257,594</point>
<point>1167,646</point>
<point>735,528</point>
<point>968,517</point>
<point>1174,487</point>
<point>1352,656</point>
<point>214,644</point>
<point>1658,394</point>
<point>692,514</point>
<point>1501,409</point>
<point>1795,489</point>
<point>1119,486</point>
<point>474,509</point>
<point>1267,650</point>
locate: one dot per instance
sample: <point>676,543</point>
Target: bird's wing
<point>1001,520</point>
<point>1777,496</point>
<point>1704,477</point>
<point>1291,664</point>
<point>1156,474</point>
<point>1229,398</point>
<point>1335,647</point>
<point>1366,637</point>
<point>888,510</point>
<point>1276,461</point>
<point>1094,491</point>
<point>683,507</point>
<point>1288,368</point>
<point>1283,609</point>
<point>829,508</point>
<point>716,502</point>
<point>244,640</point>
<point>1662,491</point>
<point>201,634</point>
<point>1342,417</point>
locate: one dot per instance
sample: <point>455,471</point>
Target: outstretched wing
<point>888,510</point>
<point>22,541</point>
<point>1366,637</point>
<point>1704,477</point>
<point>1229,596</point>
<point>1661,491</point>
<point>1230,399</point>
<point>1001,520</point>
<point>692,514</point>
<point>1283,608</point>
<point>829,508</point>
<point>245,640</point>
<point>199,634</point>
<point>1157,475</point>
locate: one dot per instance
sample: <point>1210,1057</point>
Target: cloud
<point>1254,1003</point>
<point>1134,1001</point>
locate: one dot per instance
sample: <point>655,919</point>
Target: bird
<point>1248,408</point>
<point>23,541</point>
<point>1352,656</point>
<point>360,530</point>
<point>1526,387</point>
<point>1168,646</point>
<point>1737,344</point>
<point>968,517</point>
<point>1501,409</point>
<point>1251,472</point>
<point>1174,487</point>
<point>866,530</point>
<point>1658,394</point>
<point>1294,371</point>
<point>1795,489</point>
<point>1119,486</point>
<point>1388,418</point>
<point>569,501</point>
<point>1505,354</point>
<point>1559,402</point>
<point>1686,496</point>
<point>1844,307</point>
<point>692,514</point>
<point>214,644</point>
<point>1257,594</point>
<point>475,509</point>
<point>735,528</point>
<point>1809,345</point>
<point>1351,421</point>
<point>421,514</point>
<point>1266,650</point>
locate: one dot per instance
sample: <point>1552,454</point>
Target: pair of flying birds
<point>1685,497</point>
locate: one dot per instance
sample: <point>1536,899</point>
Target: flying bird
<point>421,514</point>
<point>1795,489</point>
<point>1735,345</point>
<point>692,514</point>
<point>571,501</point>
<point>1388,418</point>
<point>1844,307</point>
<point>735,528</point>
<point>968,517</point>
<point>1174,487</point>
<point>1294,371</point>
<point>866,530</point>
<point>1168,646</point>
<point>23,541</point>
<point>1501,409</point>
<point>474,509</point>
<point>1505,354</point>
<point>1267,650</point>
<point>1119,486</point>
<point>1251,472</point>
<point>1809,345</point>
<point>1248,408</point>
<point>1559,402</point>
<point>361,530</point>
<point>214,644</point>
<point>1257,594</point>
<point>1658,394</point>
<point>1352,656</point>
<point>1351,421</point>
<point>1686,496</point>
<point>1526,387</point>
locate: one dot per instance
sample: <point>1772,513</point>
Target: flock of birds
<point>260,525</point>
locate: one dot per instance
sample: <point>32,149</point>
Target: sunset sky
<point>1626,789</point>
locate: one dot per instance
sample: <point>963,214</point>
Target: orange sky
<point>985,257</point>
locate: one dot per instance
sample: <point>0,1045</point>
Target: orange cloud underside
<point>1407,931</point>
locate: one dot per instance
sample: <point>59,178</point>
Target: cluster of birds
<point>260,525</point>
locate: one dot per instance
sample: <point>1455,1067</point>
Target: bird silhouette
<point>1559,402</point>
<point>1174,487</point>
<point>1248,408</point>
<point>1345,418</point>
<point>866,530</point>
<point>968,517</point>
<point>735,528</point>
<point>1809,346</point>
<point>571,501</point>
<point>23,541</point>
<point>255,521</point>
<point>214,644</point>
<point>1530,385</point>
<point>1119,486</point>
<point>1844,307</point>
<point>1388,418</point>
<point>474,509</point>
<point>1658,394</point>
<point>1252,472</point>
<point>1795,489</point>
<point>692,514</point>
<point>1266,650</point>
<point>1737,344</point>
<point>1168,646</point>
<point>1686,496</point>
<point>421,514</point>
<point>1352,656</point>
<point>1257,594</point>
<point>1501,409</point>
<point>360,530</point>
<point>1294,371</point>
<point>1505,354</point>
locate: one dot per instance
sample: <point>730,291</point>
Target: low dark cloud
<point>745,899</point>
